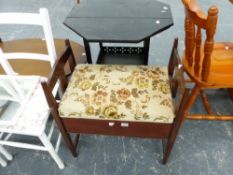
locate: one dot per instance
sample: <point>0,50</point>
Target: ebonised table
<point>127,21</point>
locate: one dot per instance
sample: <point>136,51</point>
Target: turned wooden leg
<point>205,102</point>
<point>192,99</point>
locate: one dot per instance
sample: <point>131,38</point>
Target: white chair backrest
<point>40,19</point>
<point>10,76</point>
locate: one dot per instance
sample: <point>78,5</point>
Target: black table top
<point>119,21</point>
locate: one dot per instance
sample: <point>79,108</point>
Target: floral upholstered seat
<point>118,92</point>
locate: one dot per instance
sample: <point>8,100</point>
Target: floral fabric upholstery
<point>118,92</point>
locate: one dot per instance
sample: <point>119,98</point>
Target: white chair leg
<point>3,162</point>
<point>44,139</point>
<point>5,153</point>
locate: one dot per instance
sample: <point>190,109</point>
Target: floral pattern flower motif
<point>123,94</point>
<point>164,88</point>
<point>90,110</point>
<point>110,112</point>
<point>99,97</point>
<point>142,82</point>
<point>84,85</point>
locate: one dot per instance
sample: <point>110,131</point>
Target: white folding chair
<point>31,120</point>
<point>34,55</point>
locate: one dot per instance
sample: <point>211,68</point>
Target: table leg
<point>88,51</point>
<point>101,53</point>
<point>146,47</point>
<point>101,45</point>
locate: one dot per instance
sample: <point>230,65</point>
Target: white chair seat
<point>33,119</point>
